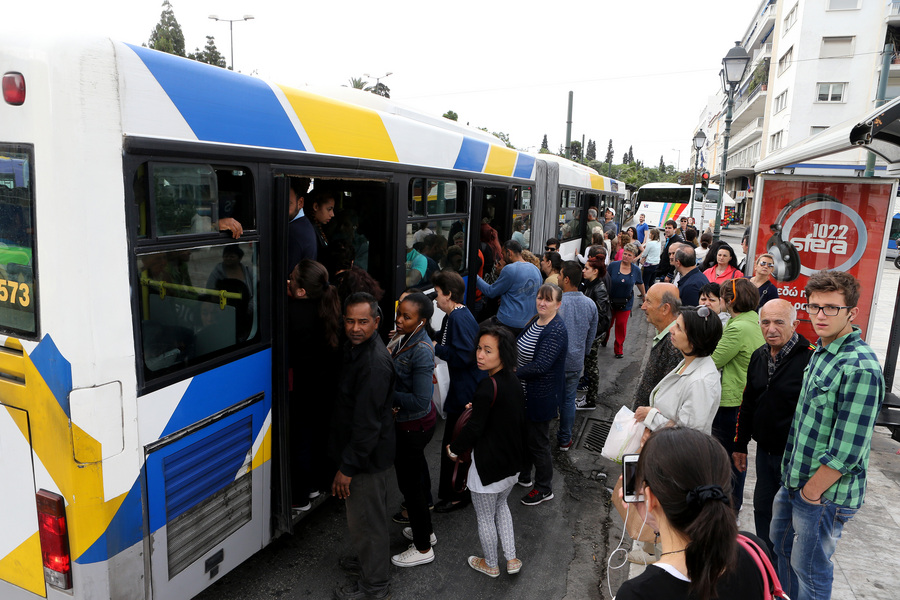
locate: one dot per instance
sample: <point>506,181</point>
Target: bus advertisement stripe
<point>222,106</point>
<point>472,155</point>
<point>524,166</point>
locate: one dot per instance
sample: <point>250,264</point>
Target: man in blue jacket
<point>518,287</point>
<point>579,313</point>
<point>691,279</point>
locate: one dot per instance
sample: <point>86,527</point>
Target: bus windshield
<point>17,294</point>
<point>677,194</point>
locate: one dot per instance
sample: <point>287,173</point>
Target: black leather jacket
<point>596,291</point>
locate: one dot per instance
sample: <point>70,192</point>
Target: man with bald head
<point>774,380</point>
<point>661,305</point>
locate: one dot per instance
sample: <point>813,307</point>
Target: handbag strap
<point>770,578</point>
<point>457,463</point>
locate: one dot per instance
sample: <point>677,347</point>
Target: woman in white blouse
<point>688,396</point>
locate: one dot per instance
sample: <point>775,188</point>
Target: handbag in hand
<point>460,480</point>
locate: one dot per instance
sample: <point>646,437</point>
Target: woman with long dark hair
<point>314,325</point>
<point>726,266</point>
<point>494,434</point>
<point>415,418</point>
<point>685,478</point>
<point>595,289</point>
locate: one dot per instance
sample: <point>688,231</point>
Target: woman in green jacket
<point>740,338</point>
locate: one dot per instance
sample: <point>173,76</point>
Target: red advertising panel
<point>811,224</point>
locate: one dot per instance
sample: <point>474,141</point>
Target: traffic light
<point>704,183</point>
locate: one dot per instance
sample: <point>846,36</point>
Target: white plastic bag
<point>624,436</point>
<point>441,385</point>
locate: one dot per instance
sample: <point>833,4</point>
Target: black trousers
<point>409,465</point>
<point>537,440</point>
<point>367,521</point>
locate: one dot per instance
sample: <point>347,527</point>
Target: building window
<point>781,101</point>
<point>775,141</point>
<point>817,129</point>
<point>835,47</point>
<point>831,92</point>
<point>843,4</point>
<point>790,19</point>
<point>785,61</point>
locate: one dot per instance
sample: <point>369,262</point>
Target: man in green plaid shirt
<point>827,453</point>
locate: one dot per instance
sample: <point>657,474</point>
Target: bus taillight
<point>14,88</point>
<point>54,535</point>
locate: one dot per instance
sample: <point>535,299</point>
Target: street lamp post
<point>733,66</point>
<point>378,79</point>
<point>698,142</point>
<point>231,23</point>
<point>678,164</point>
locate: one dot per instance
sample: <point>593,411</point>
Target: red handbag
<point>769,577</point>
<point>465,458</point>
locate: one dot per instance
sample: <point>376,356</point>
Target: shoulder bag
<point>465,458</point>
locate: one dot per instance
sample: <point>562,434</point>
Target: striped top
<point>527,343</point>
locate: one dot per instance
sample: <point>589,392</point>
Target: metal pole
<point>569,128</point>
<point>694,185</point>
<point>890,359</point>
<point>879,100</point>
<point>728,115</point>
<point>231,33</point>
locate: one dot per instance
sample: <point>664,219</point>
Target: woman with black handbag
<point>624,275</point>
<point>494,435</point>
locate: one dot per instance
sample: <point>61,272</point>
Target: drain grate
<point>594,434</point>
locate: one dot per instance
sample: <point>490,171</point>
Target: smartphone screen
<point>629,476</point>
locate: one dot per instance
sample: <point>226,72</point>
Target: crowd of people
<point>726,366</point>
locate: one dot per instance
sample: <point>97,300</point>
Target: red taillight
<point>14,88</point>
<point>54,534</point>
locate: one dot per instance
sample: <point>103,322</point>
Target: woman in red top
<point>725,268</point>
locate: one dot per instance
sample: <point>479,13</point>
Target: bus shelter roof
<point>879,131</point>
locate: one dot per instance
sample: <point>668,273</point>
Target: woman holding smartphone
<point>684,476</point>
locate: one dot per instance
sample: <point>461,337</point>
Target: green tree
<point>451,115</point>
<point>662,165</point>
<point>544,148</point>
<point>609,152</point>
<point>209,55</point>
<point>358,83</point>
<point>167,35</point>
<point>591,153</point>
<point>630,154</point>
<point>575,151</point>
<point>379,89</point>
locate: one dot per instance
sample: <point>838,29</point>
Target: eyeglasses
<point>549,249</point>
<point>703,311</point>
<point>830,311</point>
<point>766,264</point>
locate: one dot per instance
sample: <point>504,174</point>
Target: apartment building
<point>814,64</point>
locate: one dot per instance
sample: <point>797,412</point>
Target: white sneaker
<point>412,557</point>
<point>314,495</point>
<point>408,534</point>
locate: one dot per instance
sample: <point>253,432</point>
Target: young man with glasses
<point>828,446</point>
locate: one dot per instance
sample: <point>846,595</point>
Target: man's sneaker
<point>585,404</point>
<point>536,496</point>
<point>408,534</point>
<point>582,385</point>
<point>299,508</point>
<point>526,484</point>
<point>399,518</point>
<point>411,557</point>
<point>314,494</point>
<point>565,447</point>
<point>352,592</point>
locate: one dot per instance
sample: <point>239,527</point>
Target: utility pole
<point>569,128</point>
<point>879,99</point>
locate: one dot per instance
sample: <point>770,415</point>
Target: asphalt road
<point>563,543</point>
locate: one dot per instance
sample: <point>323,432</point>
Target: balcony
<point>753,129</point>
<point>763,52</point>
<point>893,17</point>
<point>749,106</point>
<point>762,25</point>
<point>743,161</point>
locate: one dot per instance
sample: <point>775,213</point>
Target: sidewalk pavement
<point>866,564</point>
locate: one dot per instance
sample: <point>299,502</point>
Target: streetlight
<point>231,23</point>
<point>378,79</point>
<point>698,142</point>
<point>678,164</point>
<point>733,66</point>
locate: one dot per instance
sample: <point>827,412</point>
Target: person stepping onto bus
<point>517,286</point>
<point>363,444</point>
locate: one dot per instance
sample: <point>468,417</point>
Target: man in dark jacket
<point>691,279</point>
<point>301,235</point>
<point>661,304</point>
<point>362,443</point>
<point>774,380</point>
<point>666,270</point>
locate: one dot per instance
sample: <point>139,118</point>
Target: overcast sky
<point>641,70</point>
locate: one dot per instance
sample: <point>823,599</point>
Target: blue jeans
<point>567,408</point>
<point>805,535</point>
<point>768,482</point>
